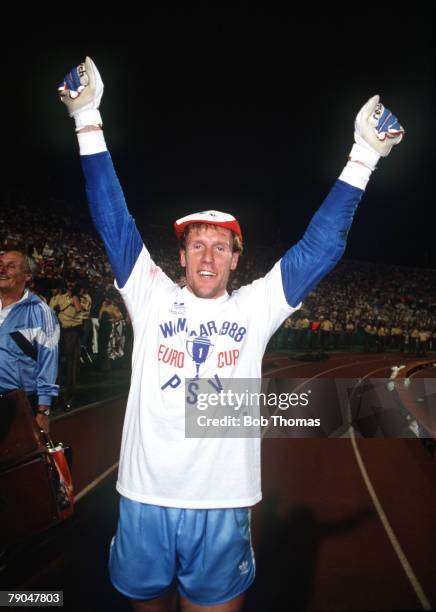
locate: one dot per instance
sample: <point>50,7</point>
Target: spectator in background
<point>29,338</point>
<point>325,330</point>
<point>414,340</point>
<point>338,329</point>
<point>289,335</point>
<point>349,330</point>
<point>381,335</point>
<point>109,314</point>
<point>423,338</point>
<point>56,290</point>
<point>314,332</point>
<point>69,311</point>
<point>369,336</point>
<point>86,303</point>
<point>302,328</point>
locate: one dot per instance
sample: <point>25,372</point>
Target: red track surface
<point>319,524</point>
<point>320,541</point>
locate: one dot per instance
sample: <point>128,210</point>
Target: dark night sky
<point>252,115</point>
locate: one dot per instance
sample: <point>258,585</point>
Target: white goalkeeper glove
<point>376,131</point>
<point>81,92</point>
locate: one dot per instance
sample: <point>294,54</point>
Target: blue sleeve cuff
<point>44,400</point>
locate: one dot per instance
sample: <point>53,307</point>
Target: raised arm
<point>81,91</point>
<point>376,131</point>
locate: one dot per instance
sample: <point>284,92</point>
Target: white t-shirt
<point>5,311</point>
<point>158,464</point>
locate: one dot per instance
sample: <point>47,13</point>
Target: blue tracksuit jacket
<point>35,372</point>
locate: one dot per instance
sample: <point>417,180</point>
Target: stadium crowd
<point>360,305</point>
<point>374,306</point>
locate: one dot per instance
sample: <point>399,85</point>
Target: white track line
<point>416,585</point>
<point>95,482</point>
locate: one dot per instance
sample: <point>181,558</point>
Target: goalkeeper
<point>185,502</point>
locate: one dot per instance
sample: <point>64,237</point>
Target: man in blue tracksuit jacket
<point>29,337</point>
<point>185,501</point>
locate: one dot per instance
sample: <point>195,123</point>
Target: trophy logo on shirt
<point>199,349</point>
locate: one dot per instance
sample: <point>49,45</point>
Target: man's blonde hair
<point>237,246</point>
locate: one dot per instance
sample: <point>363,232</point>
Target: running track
<point>345,524</point>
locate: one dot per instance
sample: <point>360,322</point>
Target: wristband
<point>87,117</point>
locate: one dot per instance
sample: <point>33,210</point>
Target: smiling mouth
<point>207,274</point>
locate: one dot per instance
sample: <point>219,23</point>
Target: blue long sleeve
<point>111,217</point>
<point>323,243</point>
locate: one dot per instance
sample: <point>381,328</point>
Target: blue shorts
<point>206,554</point>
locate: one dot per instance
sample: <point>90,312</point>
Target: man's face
<point>207,260</point>
<point>13,277</point>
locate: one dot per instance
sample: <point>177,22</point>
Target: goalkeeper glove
<point>81,92</point>
<point>376,131</point>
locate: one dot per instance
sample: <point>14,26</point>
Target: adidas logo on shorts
<point>243,567</point>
